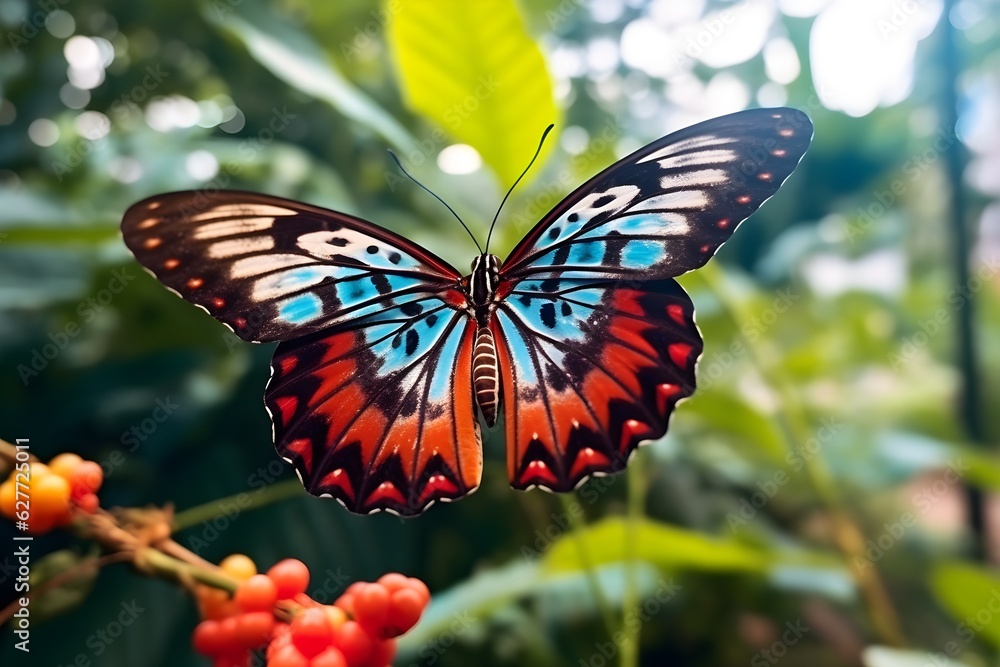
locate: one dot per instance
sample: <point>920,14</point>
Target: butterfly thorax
<point>482,287</point>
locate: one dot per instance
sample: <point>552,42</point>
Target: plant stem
<point>636,481</point>
<point>193,516</point>
<point>591,572</point>
<point>796,429</point>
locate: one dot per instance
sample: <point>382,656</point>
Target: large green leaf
<point>657,543</point>
<point>971,594</point>
<point>472,68</point>
<point>292,56</point>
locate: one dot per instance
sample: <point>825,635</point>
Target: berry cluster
<point>358,630</point>
<point>52,491</point>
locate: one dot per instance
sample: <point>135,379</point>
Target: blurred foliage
<point>829,322</point>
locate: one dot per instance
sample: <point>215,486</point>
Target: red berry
<point>86,478</point>
<point>258,593</point>
<point>291,576</point>
<point>228,627</point>
<point>354,642</point>
<point>371,605</point>
<point>393,581</point>
<point>254,629</point>
<point>345,602</point>
<point>238,659</point>
<point>281,636</point>
<point>287,656</point>
<point>405,608</point>
<point>383,653</point>
<point>88,503</point>
<point>421,588</point>
<point>311,631</point>
<point>330,657</point>
<point>208,638</point>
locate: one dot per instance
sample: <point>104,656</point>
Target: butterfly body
<point>581,337</point>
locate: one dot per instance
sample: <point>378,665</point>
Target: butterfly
<point>580,340</point>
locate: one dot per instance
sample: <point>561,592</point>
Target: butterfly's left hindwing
<point>379,413</point>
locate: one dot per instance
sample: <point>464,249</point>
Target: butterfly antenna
<point>471,235</point>
<point>537,151</point>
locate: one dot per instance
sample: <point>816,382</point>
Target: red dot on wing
<point>538,471</point>
<point>195,283</point>
<point>151,243</point>
<point>288,363</point>
<point>287,405</point>
<point>676,313</point>
<point>218,302</point>
<point>438,486</point>
<point>664,393</point>
<point>722,224</point>
<point>743,199</point>
<point>171,263</point>
<point>589,460</point>
<point>679,353</point>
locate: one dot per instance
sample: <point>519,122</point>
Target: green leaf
<point>69,595</point>
<point>489,87</point>
<point>295,58</point>
<point>657,543</point>
<point>883,656</point>
<point>722,411</point>
<point>966,591</point>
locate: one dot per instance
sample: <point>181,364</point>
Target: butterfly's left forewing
<point>600,343</point>
<point>273,269</point>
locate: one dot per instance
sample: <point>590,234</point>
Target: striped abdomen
<point>485,375</point>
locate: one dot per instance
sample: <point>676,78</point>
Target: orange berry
<point>258,593</point>
<point>64,464</point>
<point>336,616</point>
<point>49,495</point>
<point>330,657</point>
<point>238,566</point>
<point>291,577</point>
<point>8,497</point>
<point>371,605</point>
<point>311,631</point>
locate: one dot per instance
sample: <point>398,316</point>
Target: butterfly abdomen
<point>485,375</point>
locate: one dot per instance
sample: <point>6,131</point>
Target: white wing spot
<point>688,144</point>
<point>216,230</point>
<point>253,266</point>
<point>717,156</point>
<point>701,177</point>
<point>241,211</point>
<point>224,249</point>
